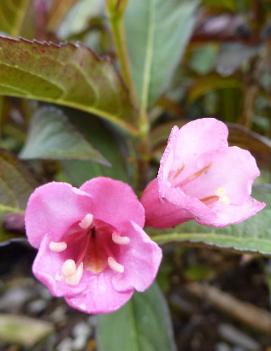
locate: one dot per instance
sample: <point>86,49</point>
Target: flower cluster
<point>92,249</point>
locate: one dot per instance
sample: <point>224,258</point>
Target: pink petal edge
<point>141,260</point>
<point>115,202</point>
<point>47,212</point>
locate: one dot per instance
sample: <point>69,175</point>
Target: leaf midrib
<point>85,108</point>
<point>148,58</point>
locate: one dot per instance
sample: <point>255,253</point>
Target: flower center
<point>91,245</point>
<point>176,175</point>
<point>219,194</point>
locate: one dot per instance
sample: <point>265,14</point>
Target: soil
<point>198,325</point>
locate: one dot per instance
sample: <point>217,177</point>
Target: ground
<point>199,324</point>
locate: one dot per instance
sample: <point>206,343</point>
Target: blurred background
<point>218,301</point>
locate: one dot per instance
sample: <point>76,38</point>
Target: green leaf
<point>65,74</point>
<point>229,5</point>
<point>16,183</point>
<point>203,58</point>
<point>6,236</point>
<point>253,235</point>
<point>157,32</point>
<point>143,324</point>
<point>52,136</point>
<point>12,13</point>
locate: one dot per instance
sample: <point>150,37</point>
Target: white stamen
<point>86,221</point>
<point>120,240</point>
<point>57,246</point>
<point>221,192</point>
<point>68,268</point>
<point>75,278</point>
<point>114,265</point>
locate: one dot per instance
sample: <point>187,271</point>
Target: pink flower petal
<point>141,259</point>
<point>192,205</point>
<point>233,171</point>
<point>115,202</point>
<point>85,239</point>
<point>233,168</point>
<point>233,214</point>
<point>52,209</point>
<point>160,213</point>
<point>201,136</point>
<point>47,269</point>
<point>193,139</point>
<point>100,296</point>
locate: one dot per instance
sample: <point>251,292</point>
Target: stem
<point>119,39</point>
<point>249,105</point>
<point>143,151</point>
<point>4,208</point>
<point>141,144</point>
<point>252,88</point>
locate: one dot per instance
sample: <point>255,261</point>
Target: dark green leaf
<point>229,5</point>
<point>6,236</point>
<point>64,74</point>
<point>52,136</point>
<point>157,33</point>
<point>253,235</point>
<point>16,183</point>
<point>143,324</point>
<point>102,138</point>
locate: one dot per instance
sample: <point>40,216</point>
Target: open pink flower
<point>92,248</point>
<point>201,178</point>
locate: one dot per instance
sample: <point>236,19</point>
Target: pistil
<point>95,249</point>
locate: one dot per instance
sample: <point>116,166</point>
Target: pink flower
<point>201,178</point>
<point>92,248</point>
